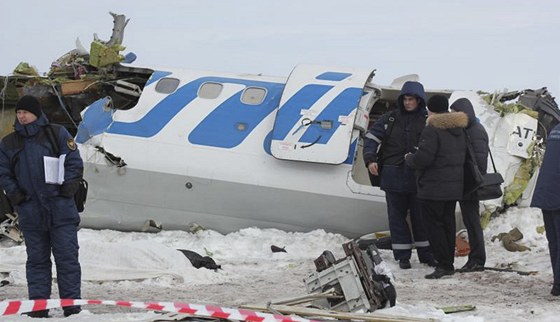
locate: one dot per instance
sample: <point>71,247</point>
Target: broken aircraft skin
<point>179,149</point>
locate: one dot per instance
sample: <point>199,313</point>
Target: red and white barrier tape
<point>19,307</point>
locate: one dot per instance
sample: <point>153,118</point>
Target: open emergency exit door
<point>317,112</point>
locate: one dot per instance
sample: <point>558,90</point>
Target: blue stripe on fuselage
<point>333,76</point>
<point>156,75</point>
<point>342,105</point>
<point>156,119</point>
<point>232,121</point>
<point>290,112</point>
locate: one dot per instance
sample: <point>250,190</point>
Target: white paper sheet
<point>54,169</point>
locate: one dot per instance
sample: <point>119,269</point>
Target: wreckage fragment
<point>76,80</point>
<point>361,280</point>
<point>509,240</point>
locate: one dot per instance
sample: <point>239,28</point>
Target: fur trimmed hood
<point>446,121</point>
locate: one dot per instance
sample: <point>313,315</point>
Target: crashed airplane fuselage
<point>179,149</point>
<point>228,151</point>
<point>232,151</point>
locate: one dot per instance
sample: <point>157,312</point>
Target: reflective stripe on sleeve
<point>373,137</point>
<point>422,243</point>
<point>402,246</point>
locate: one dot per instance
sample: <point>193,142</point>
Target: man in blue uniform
<point>398,132</point>
<point>47,213</point>
<point>546,198</point>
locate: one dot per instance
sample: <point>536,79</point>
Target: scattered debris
<point>511,270</point>
<point>381,240</point>
<point>361,279</point>
<point>151,226</point>
<point>509,240</point>
<point>462,246</point>
<point>345,316</point>
<point>456,308</point>
<point>9,227</point>
<point>77,79</point>
<point>276,249</point>
<point>199,261</point>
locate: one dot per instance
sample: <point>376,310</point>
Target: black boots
<point>439,273</point>
<point>71,310</point>
<point>404,264</point>
<point>555,290</point>
<point>471,267</point>
<point>38,314</point>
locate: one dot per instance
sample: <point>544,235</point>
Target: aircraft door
<point>317,112</point>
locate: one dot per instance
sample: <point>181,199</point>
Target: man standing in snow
<point>439,177</point>
<point>398,132</point>
<point>546,198</point>
<point>47,213</point>
<point>470,205</point>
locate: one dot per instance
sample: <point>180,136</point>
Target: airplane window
<point>167,85</point>
<point>210,90</point>
<point>253,95</point>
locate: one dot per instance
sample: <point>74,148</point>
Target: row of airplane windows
<point>251,95</point>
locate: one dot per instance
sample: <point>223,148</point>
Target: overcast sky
<point>475,44</point>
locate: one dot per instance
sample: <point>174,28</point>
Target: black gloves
<point>69,188</point>
<point>17,198</point>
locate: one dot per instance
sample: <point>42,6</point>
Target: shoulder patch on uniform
<point>71,144</point>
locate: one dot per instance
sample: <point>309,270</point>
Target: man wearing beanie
<point>47,213</point>
<point>439,176</point>
<point>398,132</point>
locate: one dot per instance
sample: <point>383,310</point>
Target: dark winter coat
<point>477,135</point>
<point>403,138</point>
<point>440,157</point>
<point>22,176</point>
<point>546,194</point>
<point>476,132</point>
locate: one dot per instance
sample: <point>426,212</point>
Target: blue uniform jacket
<point>22,170</point>
<point>546,194</point>
<point>396,176</point>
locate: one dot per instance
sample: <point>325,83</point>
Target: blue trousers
<point>63,242</point>
<point>552,227</point>
<point>398,206</point>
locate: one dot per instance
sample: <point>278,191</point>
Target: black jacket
<point>403,138</point>
<point>476,132</point>
<point>440,157</point>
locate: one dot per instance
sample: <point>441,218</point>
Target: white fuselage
<point>192,159</point>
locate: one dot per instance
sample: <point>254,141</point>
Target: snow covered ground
<point>146,267</point>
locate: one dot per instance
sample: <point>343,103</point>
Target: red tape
<point>19,307</point>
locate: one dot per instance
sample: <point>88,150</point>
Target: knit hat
<point>438,104</point>
<point>30,104</point>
